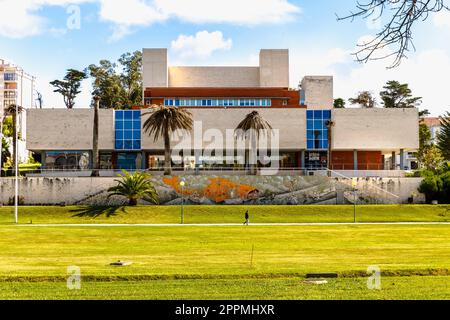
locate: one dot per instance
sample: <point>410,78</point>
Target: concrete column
<point>393,162</point>
<point>355,160</point>
<point>402,159</point>
<point>143,161</point>
<point>302,159</point>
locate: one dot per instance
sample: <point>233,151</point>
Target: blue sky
<point>43,37</point>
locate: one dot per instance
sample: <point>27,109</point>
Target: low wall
<point>217,190</point>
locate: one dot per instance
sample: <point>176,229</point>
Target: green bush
<point>436,185</point>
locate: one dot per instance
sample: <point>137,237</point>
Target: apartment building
<point>16,88</point>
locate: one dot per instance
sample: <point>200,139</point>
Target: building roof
<point>432,122</point>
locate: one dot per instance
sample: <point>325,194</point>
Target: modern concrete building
<point>16,88</point>
<point>307,132</point>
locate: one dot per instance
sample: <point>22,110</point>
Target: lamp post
<point>354,184</point>
<point>182,183</point>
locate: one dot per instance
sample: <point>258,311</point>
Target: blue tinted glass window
<point>128,115</point>
<point>310,134</point>
<point>325,144</point>
<point>317,114</point>
<point>128,144</point>
<point>119,125</point>
<point>310,124</point>
<point>127,129</point>
<point>318,124</point>
<point>128,125</point>
<point>177,103</point>
<point>128,134</point>
<point>310,144</point>
<point>119,114</point>
<point>327,114</point>
<point>119,144</point>
<point>136,144</point>
<point>310,114</point>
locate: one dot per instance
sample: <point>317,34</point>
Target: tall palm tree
<point>12,110</point>
<point>95,153</point>
<point>251,128</point>
<point>164,121</point>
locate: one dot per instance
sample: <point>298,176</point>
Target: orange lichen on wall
<point>218,189</point>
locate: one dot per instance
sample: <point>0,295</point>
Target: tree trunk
<point>167,156</point>
<point>253,153</point>
<point>132,202</point>
<point>95,155</point>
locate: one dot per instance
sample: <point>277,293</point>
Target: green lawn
<point>216,262</point>
<point>226,214</point>
<point>399,288</point>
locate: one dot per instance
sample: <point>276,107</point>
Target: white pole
<point>16,160</point>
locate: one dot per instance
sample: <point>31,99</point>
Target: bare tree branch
<point>397,34</point>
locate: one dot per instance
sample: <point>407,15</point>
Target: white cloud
<point>202,45</point>
<point>20,18</point>
<point>248,12</point>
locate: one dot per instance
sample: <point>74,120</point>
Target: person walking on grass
<point>247,217</point>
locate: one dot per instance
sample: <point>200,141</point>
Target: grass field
<point>216,262</point>
<point>179,262</point>
<point>226,214</point>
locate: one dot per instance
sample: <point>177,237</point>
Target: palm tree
<point>12,110</point>
<point>95,154</point>
<point>135,187</point>
<point>251,127</point>
<point>164,121</point>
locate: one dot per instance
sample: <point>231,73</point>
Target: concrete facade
<point>154,64</point>
<point>318,92</point>
<point>272,72</point>
<point>64,129</point>
<point>375,129</point>
<point>213,77</point>
<point>274,68</point>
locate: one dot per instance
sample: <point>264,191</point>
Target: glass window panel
<point>204,102</point>
<point>327,114</point>
<point>128,134</point>
<point>136,114</point>
<point>310,114</point>
<point>221,103</point>
<point>310,134</point>
<point>136,134</point>
<point>119,124</point>
<point>128,125</point>
<point>119,134</point>
<point>136,144</point>
<point>317,114</point>
<point>208,102</point>
<point>119,114</point>
<point>137,125</point>
<point>325,144</point>
<point>310,124</point>
<point>128,114</point>
<point>177,102</point>
<point>128,144</point>
<point>119,144</point>
<point>318,124</point>
<point>310,144</point>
